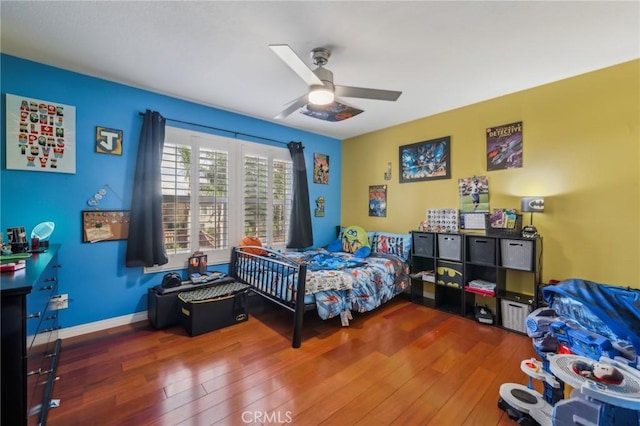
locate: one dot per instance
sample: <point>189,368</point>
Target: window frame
<point>237,149</point>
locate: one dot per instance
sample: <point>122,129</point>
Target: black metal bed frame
<point>246,266</point>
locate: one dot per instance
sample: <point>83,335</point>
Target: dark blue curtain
<point>300,232</point>
<point>145,244</point>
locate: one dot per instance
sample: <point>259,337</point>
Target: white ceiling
<point>441,55</point>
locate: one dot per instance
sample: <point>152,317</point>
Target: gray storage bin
<point>517,254</point>
<point>423,244</point>
<point>514,315</point>
<point>450,247</point>
<point>481,250</point>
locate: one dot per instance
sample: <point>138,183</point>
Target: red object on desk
<point>13,266</point>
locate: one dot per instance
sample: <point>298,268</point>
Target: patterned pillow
<point>397,244</point>
<point>372,236</point>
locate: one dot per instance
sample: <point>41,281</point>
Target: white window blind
<point>282,200</point>
<point>217,190</point>
<point>213,199</point>
<point>176,197</point>
<point>256,205</point>
<point>268,195</point>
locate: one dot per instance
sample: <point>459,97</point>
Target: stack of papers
<point>429,276</point>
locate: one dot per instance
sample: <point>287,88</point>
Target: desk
<point>30,344</point>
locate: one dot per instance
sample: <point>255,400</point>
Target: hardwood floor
<point>400,364</point>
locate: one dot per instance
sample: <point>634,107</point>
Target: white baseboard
<point>79,330</point>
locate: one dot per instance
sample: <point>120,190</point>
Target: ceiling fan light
<point>320,95</point>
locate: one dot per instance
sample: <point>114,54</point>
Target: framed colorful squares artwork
<point>41,135</point>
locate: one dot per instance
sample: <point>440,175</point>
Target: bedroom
<point>581,153</point>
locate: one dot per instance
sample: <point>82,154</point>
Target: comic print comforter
<point>341,283</point>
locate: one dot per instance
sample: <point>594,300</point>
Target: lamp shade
<point>532,204</point>
<point>320,95</point>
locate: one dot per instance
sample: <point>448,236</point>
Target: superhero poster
<point>321,168</point>
<point>426,160</point>
<point>40,135</point>
<point>504,147</point>
<point>378,200</point>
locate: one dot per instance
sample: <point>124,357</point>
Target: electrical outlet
<point>60,301</point>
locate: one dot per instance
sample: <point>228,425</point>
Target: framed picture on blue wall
<point>108,141</point>
<point>428,160</point>
<point>320,168</point>
<point>105,225</point>
<point>41,135</point>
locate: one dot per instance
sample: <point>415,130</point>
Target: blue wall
<point>94,275</point>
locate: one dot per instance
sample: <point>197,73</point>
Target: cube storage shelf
<point>458,259</point>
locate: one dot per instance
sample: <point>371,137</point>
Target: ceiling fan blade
<point>295,63</point>
<point>361,92</point>
<point>298,99</point>
<point>295,105</point>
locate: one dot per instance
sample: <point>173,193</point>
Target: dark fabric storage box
<point>482,250</point>
<point>449,274</point>
<point>212,308</point>
<point>162,309</point>
<point>423,244</point>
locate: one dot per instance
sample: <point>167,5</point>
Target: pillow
<point>354,240</point>
<point>388,243</point>
<point>370,234</point>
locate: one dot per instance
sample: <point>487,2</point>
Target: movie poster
<point>40,135</point>
<point>504,147</point>
<point>378,200</point>
<point>320,168</point>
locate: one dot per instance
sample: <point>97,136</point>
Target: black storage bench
<point>163,308</point>
<point>214,307</point>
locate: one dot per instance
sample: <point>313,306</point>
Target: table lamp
<point>40,236</point>
<point>531,205</point>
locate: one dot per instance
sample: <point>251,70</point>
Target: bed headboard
<point>387,242</point>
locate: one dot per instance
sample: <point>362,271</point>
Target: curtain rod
<point>222,130</point>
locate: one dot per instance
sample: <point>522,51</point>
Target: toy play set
<point>587,337</point>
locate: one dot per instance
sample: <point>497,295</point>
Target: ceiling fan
<point>322,91</point>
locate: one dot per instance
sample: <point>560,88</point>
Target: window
<point>267,198</point>
<point>217,190</point>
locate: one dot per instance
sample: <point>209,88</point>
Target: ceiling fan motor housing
<point>325,76</point>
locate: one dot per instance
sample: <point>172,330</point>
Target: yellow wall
<point>581,151</point>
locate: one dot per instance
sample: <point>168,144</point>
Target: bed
<point>334,284</point>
